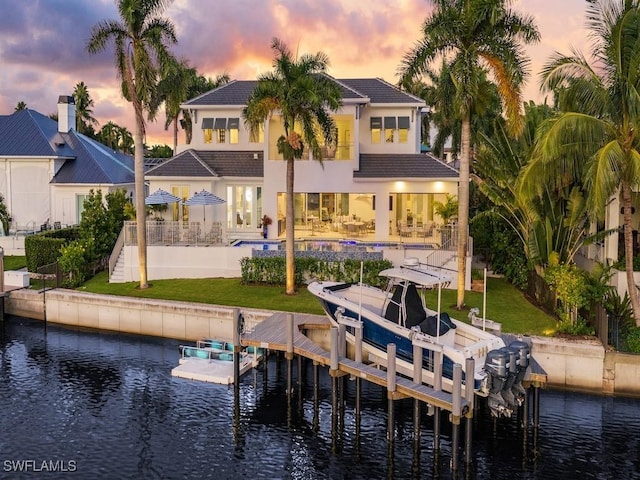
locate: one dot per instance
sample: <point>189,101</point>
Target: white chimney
<point>66,113</point>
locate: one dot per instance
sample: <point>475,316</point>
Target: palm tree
<point>303,95</point>
<point>199,84</point>
<point>84,110</point>
<point>20,106</point>
<point>550,222</point>
<point>141,41</point>
<point>173,90</point>
<point>597,137</point>
<point>125,140</point>
<point>108,135</point>
<point>477,35</point>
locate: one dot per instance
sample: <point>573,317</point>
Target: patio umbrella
<point>204,198</point>
<point>160,197</point>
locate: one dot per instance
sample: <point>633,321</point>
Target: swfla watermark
<point>40,466</point>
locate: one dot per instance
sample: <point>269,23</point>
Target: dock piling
<point>456,412</point>
<point>469,396</point>
<point>391,388</point>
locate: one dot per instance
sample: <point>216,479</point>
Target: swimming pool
<point>327,245</point>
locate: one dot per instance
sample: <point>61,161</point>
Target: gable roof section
<point>235,92</point>
<point>94,163</point>
<point>185,164</point>
<point>380,91</point>
<point>27,133</point>
<point>202,163</point>
<point>403,166</point>
<point>369,90</point>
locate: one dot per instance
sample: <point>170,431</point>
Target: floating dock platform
<point>212,361</point>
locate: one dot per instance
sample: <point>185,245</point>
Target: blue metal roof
<point>27,133</point>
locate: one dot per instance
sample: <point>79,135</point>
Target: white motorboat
<point>398,315</point>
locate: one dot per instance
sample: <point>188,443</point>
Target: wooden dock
<point>272,334</point>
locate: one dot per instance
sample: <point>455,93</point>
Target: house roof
<point>368,90</point>
<point>418,165</point>
<point>235,92</point>
<point>27,133</point>
<point>202,163</point>
<point>380,91</point>
<point>94,163</point>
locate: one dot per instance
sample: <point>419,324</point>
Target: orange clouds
<point>42,49</point>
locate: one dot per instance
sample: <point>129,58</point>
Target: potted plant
<point>477,280</point>
<point>266,221</point>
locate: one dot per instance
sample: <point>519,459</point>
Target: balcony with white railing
<point>177,233</point>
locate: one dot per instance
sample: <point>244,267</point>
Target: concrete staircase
<point>117,275</point>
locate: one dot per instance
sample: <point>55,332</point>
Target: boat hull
<point>378,333</point>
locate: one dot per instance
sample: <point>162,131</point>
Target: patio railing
<point>177,233</point>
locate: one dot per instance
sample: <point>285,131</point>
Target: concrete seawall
<point>570,364</point>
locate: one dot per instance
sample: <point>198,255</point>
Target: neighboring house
<point>47,169</point>
<point>374,177</point>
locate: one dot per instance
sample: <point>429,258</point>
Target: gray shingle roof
<point>27,133</point>
<point>380,91</point>
<point>403,166</point>
<point>202,163</point>
<point>377,90</point>
<point>235,92</point>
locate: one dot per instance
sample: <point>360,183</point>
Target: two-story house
<point>373,183</point>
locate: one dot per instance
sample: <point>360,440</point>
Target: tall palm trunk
<point>463,206</point>
<point>628,252</point>
<point>175,134</point>
<point>141,212</point>
<point>290,238</point>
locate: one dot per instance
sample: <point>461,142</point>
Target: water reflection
<point>108,402</point>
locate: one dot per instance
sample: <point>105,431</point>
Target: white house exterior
<point>374,177</point>
<point>47,169</point>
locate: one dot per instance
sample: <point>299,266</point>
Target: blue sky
<point>43,43</point>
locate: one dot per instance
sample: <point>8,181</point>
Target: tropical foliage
<point>116,137</point>
<point>179,83</point>
<point>102,220</point>
<point>595,140</point>
<point>300,92</point>
<point>473,36</point>
<point>85,121</point>
<point>141,39</point>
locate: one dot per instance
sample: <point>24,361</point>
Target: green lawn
<point>505,303</point>
<point>14,262</point>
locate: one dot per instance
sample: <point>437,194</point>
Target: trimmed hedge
<point>271,270</point>
<point>44,248</point>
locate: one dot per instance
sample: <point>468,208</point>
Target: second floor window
<point>389,129</point>
<point>233,125</point>
<point>376,129</point>
<point>220,127</point>
<point>207,129</point>
<point>403,129</point>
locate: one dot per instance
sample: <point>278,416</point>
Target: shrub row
<point>44,248</point>
<point>271,270</point>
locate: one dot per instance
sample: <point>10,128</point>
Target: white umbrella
<point>160,197</point>
<point>204,198</point>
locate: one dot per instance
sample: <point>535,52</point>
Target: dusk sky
<point>43,44</point>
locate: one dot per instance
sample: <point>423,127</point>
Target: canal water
<point>87,404</point>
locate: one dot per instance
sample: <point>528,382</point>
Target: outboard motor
<point>497,366</point>
<point>523,358</point>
